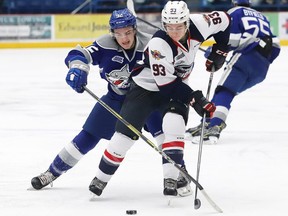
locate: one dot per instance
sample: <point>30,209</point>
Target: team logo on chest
<point>157,55</point>
<point>118,59</point>
<point>119,78</point>
<point>182,68</point>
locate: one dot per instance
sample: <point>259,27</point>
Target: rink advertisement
<point>25,27</point>
<point>53,27</point>
<point>273,19</point>
<point>84,26</point>
<point>283,25</point>
<point>67,30</point>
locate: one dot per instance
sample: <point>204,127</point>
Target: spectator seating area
<point>59,6</point>
<point>107,6</point>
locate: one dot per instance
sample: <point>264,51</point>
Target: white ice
<point>245,173</point>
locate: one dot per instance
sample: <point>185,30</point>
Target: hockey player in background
<point>160,82</point>
<point>115,54</point>
<point>254,49</point>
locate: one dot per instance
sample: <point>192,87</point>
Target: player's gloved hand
<point>201,105</point>
<point>216,58</point>
<point>77,74</point>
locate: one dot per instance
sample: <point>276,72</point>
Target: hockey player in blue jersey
<point>116,55</point>
<point>254,48</point>
<point>161,82</point>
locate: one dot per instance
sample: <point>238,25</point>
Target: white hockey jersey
<point>166,60</point>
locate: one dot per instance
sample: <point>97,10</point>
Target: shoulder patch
<point>157,55</point>
<point>207,19</point>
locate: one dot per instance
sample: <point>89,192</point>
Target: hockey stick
<point>130,6</point>
<point>197,202</point>
<point>138,133</point>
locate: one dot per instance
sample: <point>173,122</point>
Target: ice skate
<point>211,135</point>
<point>170,189</point>
<point>43,180</point>
<point>183,185</point>
<point>190,133</point>
<point>97,186</point>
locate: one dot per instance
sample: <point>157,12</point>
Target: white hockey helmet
<point>175,12</point>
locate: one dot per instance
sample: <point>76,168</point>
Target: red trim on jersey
<point>137,68</point>
<point>178,44</point>
<point>169,82</point>
<point>173,144</point>
<point>112,157</point>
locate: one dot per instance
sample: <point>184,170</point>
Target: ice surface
<point>245,174</point>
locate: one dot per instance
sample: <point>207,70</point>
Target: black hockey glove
<point>217,57</point>
<point>265,46</point>
<point>201,105</point>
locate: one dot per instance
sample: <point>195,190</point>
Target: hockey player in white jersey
<point>160,82</point>
<point>254,49</point>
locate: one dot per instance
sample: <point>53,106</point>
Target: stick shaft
<point>202,135</point>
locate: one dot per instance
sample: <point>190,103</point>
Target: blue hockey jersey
<point>114,62</point>
<point>247,29</point>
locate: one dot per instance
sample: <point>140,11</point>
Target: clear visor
<point>128,33</point>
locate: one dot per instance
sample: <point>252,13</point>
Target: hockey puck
<point>131,212</point>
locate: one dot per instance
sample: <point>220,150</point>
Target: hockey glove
<point>77,74</point>
<point>201,105</point>
<point>216,58</point>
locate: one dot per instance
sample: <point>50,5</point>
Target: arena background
<point>30,25</point>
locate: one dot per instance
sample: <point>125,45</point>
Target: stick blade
<point>130,6</point>
<point>197,203</point>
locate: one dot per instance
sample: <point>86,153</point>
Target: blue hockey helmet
<point>245,2</point>
<point>121,19</point>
